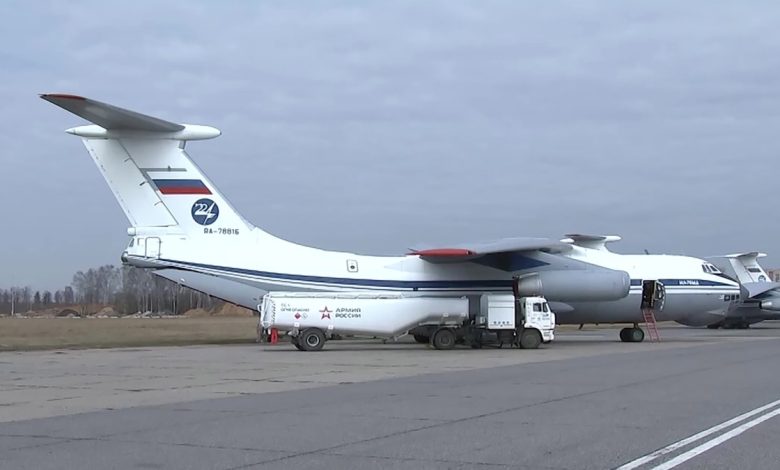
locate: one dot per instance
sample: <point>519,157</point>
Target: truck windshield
<point>537,307</point>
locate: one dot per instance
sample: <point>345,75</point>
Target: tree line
<point>126,289</point>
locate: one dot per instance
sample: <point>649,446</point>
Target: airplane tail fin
<point>746,267</point>
<point>142,158</point>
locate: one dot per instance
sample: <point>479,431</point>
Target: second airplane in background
<point>759,297</point>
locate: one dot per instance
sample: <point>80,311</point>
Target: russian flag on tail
<point>169,186</point>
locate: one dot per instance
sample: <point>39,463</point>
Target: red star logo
<point>325,313</point>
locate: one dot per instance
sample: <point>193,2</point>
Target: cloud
<point>373,126</point>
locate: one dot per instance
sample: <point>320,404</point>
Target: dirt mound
<point>67,312</point>
<point>197,313</point>
<point>227,310</point>
<point>230,310</point>
<point>106,312</point>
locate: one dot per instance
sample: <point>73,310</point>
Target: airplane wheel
<point>311,339</point>
<point>422,339</point>
<point>636,335</point>
<point>714,326</point>
<point>443,338</point>
<point>624,335</point>
<point>530,339</point>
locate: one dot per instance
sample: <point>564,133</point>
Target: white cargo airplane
<point>183,228</point>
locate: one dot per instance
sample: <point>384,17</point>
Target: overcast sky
<point>375,126</point>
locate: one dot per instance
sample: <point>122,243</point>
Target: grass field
<point>54,333</point>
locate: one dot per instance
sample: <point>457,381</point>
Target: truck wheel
<point>297,344</point>
<point>422,339</point>
<point>530,339</point>
<point>311,339</point>
<point>443,338</point>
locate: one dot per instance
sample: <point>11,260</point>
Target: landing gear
<point>736,325</point>
<point>632,335</point>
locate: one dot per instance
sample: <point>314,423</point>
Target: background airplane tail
<point>746,267</point>
<point>143,160</point>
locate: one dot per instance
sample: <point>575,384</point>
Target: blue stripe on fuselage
<point>412,285</point>
<point>685,282</point>
<point>397,284</point>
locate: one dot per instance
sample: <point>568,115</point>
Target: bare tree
<point>68,296</point>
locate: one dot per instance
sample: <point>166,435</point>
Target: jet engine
<point>771,305</point>
<point>576,285</point>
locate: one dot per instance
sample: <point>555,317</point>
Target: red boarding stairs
<point>650,324</point>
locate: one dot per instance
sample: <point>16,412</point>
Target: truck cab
<point>525,321</point>
<point>536,314</point>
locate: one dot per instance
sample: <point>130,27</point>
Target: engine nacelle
<point>576,285</point>
<point>771,305</point>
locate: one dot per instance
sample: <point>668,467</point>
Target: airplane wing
<point>543,271</point>
<point>471,251</point>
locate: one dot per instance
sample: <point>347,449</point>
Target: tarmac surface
<point>586,401</point>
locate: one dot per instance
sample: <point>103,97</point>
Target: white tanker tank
<point>309,315</point>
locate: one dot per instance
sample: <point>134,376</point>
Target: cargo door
<point>653,294</point>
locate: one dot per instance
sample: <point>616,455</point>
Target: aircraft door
<point>152,247</point>
<point>653,294</point>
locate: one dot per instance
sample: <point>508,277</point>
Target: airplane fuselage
<point>266,263</point>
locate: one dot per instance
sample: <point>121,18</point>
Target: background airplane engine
<point>584,285</point>
<point>772,305</point>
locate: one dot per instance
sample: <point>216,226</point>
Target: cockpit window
<point>754,270</point>
<point>710,268</point>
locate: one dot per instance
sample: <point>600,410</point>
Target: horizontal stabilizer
<point>110,117</point>
<point>749,256</point>
<point>752,290</point>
